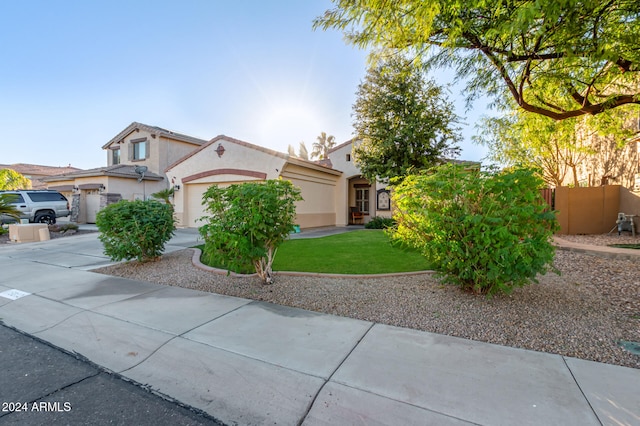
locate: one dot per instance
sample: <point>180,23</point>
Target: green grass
<point>355,252</point>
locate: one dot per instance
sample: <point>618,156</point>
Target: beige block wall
<point>587,210</point>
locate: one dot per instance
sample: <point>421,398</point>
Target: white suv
<point>38,205</point>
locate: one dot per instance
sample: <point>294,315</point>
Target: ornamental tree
<point>247,222</point>
<point>561,58</point>
<point>10,179</point>
<point>402,120</point>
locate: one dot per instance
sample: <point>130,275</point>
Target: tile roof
<point>118,170</point>
<point>37,169</point>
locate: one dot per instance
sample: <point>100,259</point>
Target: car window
<point>15,198</point>
<point>46,196</point>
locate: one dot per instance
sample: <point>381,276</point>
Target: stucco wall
<point>204,167</point>
<point>342,159</point>
<point>317,188</point>
<point>162,151</point>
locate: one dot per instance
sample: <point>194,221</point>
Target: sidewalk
<point>602,251</point>
<point>250,362</point>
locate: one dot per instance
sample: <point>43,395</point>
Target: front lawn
<point>355,252</point>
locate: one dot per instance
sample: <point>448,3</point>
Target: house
<point>354,191</point>
<point>328,191</point>
<point>143,159</point>
<point>35,172</point>
<point>136,160</point>
<point>225,161</point>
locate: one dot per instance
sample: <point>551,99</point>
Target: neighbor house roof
<point>342,145</point>
<point>118,170</point>
<point>37,172</point>
<point>154,130</point>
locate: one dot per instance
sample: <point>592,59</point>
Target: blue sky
<point>75,73</point>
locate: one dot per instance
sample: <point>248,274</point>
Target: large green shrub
<point>247,223</point>
<point>135,229</point>
<point>487,232</point>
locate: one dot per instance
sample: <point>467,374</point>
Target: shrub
<point>487,232</point>
<point>135,229</point>
<point>63,227</point>
<point>247,223</point>
<point>379,222</point>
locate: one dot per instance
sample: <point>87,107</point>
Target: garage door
<point>93,205</point>
<point>194,209</point>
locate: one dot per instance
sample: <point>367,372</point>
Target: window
<point>115,156</point>
<point>139,149</point>
<point>15,198</point>
<point>362,199</point>
<point>348,157</point>
<point>46,196</point>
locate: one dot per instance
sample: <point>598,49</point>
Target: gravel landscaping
<point>583,313</point>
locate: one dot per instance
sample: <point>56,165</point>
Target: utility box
<point>26,233</point>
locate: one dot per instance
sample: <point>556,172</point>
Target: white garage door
<point>93,205</point>
<point>194,209</point>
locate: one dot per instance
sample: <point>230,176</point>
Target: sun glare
<point>286,125</point>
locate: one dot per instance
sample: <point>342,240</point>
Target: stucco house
<point>332,189</point>
<point>136,160</point>
<point>329,188</point>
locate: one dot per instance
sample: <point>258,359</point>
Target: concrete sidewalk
<point>249,362</point>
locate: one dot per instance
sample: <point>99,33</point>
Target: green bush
<point>135,229</point>
<point>487,232</point>
<point>379,222</point>
<point>247,223</point>
<point>63,227</point>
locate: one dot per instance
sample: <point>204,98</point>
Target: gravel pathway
<point>583,313</point>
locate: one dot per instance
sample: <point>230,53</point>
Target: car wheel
<point>47,218</point>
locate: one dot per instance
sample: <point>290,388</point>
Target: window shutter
<point>130,151</point>
<point>146,149</point>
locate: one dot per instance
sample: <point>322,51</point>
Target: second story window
<point>115,156</point>
<point>139,149</point>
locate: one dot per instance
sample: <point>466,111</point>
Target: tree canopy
<point>10,179</point>
<point>402,120</point>
<point>322,145</point>
<point>560,59</point>
<point>558,148</point>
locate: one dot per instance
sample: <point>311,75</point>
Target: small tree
<point>165,195</point>
<point>7,208</point>
<point>487,232</point>
<point>248,222</point>
<point>10,179</point>
<point>135,229</point>
<point>403,120</point>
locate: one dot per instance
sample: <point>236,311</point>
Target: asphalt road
<point>42,385</point>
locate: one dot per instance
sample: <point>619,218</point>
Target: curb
<point>600,251</point>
